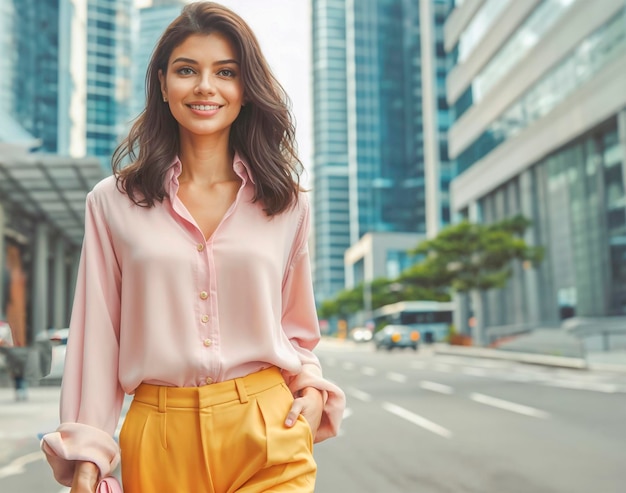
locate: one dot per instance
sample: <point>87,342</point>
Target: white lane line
<point>418,365</point>
<point>18,465</point>
<point>509,406</point>
<point>608,388</point>
<point>442,367</point>
<point>359,394</point>
<point>436,387</point>
<point>417,420</point>
<point>347,412</point>
<point>368,370</point>
<point>348,365</point>
<point>396,377</point>
<point>475,372</point>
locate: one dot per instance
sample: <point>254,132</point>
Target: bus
<point>431,318</point>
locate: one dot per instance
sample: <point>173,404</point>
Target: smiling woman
<point>194,290</point>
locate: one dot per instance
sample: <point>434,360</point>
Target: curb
<point>530,358</point>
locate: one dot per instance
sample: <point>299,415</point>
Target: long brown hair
<point>263,133</point>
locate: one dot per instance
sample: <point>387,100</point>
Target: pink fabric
<point>157,303</point>
<point>109,485</point>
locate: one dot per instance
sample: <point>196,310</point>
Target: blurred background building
<point>147,27</point>
<point>380,122</point>
<point>541,130</point>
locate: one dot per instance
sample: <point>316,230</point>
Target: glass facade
<point>147,29</point>
<point>331,221</point>
<point>368,167</point>
<point>590,56</point>
<point>479,26</point>
<point>108,75</point>
<point>388,133</point>
<point>29,37</point>
<point>579,217</point>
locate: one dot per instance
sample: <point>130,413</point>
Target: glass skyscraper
<point>108,75</point>
<point>370,163</point>
<point>147,29</point>
<point>29,33</point>
<point>331,226</point>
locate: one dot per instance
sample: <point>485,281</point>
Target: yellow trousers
<point>221,438</point>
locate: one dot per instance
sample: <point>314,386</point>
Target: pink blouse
<point>157,303</point>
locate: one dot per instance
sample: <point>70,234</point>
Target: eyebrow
<point>195,62</point>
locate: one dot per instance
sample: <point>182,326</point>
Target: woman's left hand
<point>311,405</point>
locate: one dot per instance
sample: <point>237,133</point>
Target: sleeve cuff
<point>73,442</point>
<point>334,399</point>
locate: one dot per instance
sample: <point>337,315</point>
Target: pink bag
<point>109,485</point>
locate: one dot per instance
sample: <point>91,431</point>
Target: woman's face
<point>203,86</point>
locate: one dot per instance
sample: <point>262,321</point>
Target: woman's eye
<point>185,71</point>
<point>226,72</point>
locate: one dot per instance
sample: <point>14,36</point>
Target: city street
<point>416,422</point>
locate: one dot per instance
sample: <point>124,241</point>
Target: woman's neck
<point>205,160</point>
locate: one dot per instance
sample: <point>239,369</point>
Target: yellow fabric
<point>222,438</point>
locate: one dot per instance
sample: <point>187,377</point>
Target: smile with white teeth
<point>204,107</point>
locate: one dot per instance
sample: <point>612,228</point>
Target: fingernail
<point>289,422</point>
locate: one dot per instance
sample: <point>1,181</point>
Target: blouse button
<point>208,342</point>
<point>204,295</point>
<point>200,247</point>
<point>209,380</point>
<point>204,319</point>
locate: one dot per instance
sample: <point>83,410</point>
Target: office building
<point>541,130</point>
<point>380,128</point>
<point>109,87</point>
<point>149,25</point>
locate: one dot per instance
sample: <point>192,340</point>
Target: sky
<point>283,29</point>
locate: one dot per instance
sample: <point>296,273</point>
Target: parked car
<point>361,334</point>
<point>400,336</point>
<point>58,339</point>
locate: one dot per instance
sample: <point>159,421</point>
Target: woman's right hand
<point>85,478</point>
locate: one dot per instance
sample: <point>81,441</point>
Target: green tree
<point>473,258</point>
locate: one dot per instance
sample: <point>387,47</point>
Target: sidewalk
<point>548,347</point>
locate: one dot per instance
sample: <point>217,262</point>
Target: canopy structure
<point>49,187</point>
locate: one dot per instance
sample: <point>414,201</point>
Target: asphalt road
<point>416,422</point>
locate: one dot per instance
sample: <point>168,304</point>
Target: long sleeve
<point>91,395</point>
<point>300,324</point>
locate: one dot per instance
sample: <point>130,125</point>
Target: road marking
<point>359,394</point>
<point>347,412</point>
<point>368,370</point>
<point>436,387</point>
<point>442,367</point>
<point>396,377</point>
<point>475,372</point>
<point>608,388</point>
<point>417,420</point>
<point>18,465</point>
<point>418,365</point>
<point>348,365</point>
<point>509,406</point>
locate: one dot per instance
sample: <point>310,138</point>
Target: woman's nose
<point>205,85</point>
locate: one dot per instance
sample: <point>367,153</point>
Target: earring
<point>165,99</point>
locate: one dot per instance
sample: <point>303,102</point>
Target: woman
<point>194,291</point>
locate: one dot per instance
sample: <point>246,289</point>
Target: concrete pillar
<point>2,262</point>
<point>39,289</point>
<point>461,313</point>
<point>533,288</point>
<point>59,294</point>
